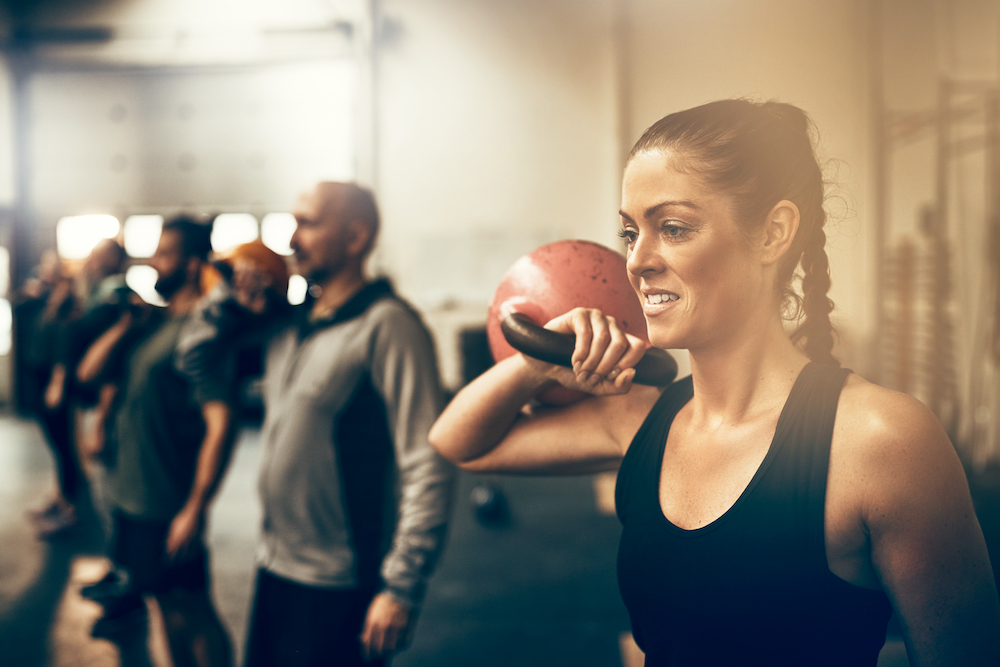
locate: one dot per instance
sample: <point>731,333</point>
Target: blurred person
<point>355,500</point>
<point>43,310</point>
<point>102,296</point>
<point>172,439</point>
<point>775,507</point>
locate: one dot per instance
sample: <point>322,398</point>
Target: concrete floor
<point>539,591</point>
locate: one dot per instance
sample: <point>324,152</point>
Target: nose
<point>644,258</point>
<point>293,242</point>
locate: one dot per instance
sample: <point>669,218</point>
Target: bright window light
<point>142,280</point>
<point>76,235</point>
<point>6,322</point>
<point>142,234</point>
<point>297,288</point>
<point>232,229</point>
<point>276,232</point>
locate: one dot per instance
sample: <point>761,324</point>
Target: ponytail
<point>815,333</point>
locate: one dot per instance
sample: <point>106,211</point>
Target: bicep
<point>928,549</point>
<point>217,414</point>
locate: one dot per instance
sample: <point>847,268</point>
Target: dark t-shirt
<point>753,587</point>
<point>158,423</point>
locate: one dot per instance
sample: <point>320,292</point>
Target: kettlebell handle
<point>656,368</point>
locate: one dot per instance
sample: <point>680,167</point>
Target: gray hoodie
<point>353,494</point>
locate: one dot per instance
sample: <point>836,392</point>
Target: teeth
<point>660,298</point>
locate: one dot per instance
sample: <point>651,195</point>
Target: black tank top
<point>753,587</point>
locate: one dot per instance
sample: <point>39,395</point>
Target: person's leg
<point>130,553</point>
<point>350,630</point>
<point>59,430</point>
<point>293,625</point>
<point>61,513</point>
<point>195,633</point>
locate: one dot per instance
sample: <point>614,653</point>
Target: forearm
<point>214,454</point>
<point>427,490</point>
<point>96,358</point>
<point>482,413</point>
<point>105,399</point>
<point>404,372</point>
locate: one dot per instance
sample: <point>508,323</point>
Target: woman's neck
<point>738,379</point>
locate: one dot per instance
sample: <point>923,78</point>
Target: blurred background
<point>486,129</point>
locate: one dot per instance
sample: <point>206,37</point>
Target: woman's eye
<point>674,231</point>
<point>628,235</point>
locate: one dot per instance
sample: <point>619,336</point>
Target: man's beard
<point>167,286</point>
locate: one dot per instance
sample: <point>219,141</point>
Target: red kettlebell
<point>554,279</point>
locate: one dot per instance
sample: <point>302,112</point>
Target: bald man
<point>355,500</point>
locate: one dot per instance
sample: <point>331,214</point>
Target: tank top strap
<point>799,459</point>
<point>641,465</point>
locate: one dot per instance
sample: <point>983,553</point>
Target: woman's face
<point>688,261</point>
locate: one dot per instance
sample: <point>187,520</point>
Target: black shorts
<point>139,547</point>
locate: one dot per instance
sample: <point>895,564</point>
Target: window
<point>276,232</point>
<point>142,279</point>
<point>142,234</point>
<point>76,235</point>
<point>232,229</point>
<point>297,288</point>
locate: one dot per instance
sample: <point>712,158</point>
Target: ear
<point>358,235</point>
<point>779,231</point>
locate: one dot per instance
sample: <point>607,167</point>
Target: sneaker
<point>54,524</point>
<point>121,624</point>
<point>113,586</point>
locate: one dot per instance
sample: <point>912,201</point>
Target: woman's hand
<point>604,356</point>
<point>250,285</point>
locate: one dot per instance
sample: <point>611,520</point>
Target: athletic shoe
<point>123,623</point>
<point>113,586</point>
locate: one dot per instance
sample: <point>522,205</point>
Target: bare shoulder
<point>890,445</point>
<point>881,422</point>
<point>900,475</point>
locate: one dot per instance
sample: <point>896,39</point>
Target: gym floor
<point>537,590</point>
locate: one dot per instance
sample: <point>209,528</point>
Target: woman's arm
<point>927,547</point>
<point>487,427</point>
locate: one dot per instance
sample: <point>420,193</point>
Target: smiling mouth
<point>661,298</point>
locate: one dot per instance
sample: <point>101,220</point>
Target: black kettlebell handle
<point>656,368</point>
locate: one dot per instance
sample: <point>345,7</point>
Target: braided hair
<point>762,153</point>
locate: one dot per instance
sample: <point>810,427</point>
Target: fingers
<point>250,283</point>
<point>171,547</point>
<point>368,641</point>
<point>386,628</point>
<point>378,640</point>
<point>603,350</point>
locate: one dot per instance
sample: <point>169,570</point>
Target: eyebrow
<point>653,210</point>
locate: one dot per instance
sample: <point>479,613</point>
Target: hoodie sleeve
<point>404,371</point>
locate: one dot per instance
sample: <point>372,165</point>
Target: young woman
<point>775,507</point>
